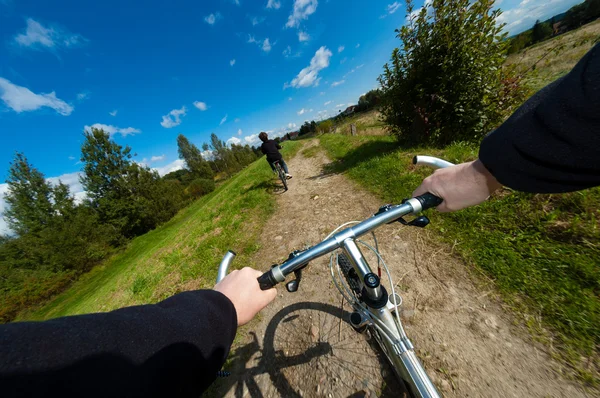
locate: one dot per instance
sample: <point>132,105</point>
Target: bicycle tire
<point>282,176</point>
<point>306,344</point>
<point>349,273</point>
<point>354,283</point>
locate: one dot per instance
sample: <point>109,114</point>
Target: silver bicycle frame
<point>398,347</point>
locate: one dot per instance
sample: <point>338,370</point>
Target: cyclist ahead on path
<point>271,149</point>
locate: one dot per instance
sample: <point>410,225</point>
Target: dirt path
<point>300,346</point>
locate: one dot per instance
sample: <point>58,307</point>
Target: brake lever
<point>421,222</point>
<point>293,285</point>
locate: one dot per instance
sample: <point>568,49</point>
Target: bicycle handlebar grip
<point>266,281</point>
<point>429,200</point>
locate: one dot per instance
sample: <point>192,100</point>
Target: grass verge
<point>542,252</point>
<point>182,254</point>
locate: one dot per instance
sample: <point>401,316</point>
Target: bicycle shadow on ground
<point>271,186</point>
<point>279,364</point>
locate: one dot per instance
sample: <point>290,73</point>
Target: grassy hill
<point>180,255</point>
<point>552,59</point>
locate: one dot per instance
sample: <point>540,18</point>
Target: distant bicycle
<point>281,174</point>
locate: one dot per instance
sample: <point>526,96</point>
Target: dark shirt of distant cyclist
<point>270,148</point>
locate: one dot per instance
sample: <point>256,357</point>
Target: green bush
<point>369,100</point>
<point>447,82</point>
<point>200,186</point>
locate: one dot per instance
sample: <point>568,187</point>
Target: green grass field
<point>181,255</point>
<point>554,58</point>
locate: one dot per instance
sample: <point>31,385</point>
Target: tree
<point>123,193</point>
<point>541,31</point>
<point>447,81</point>
<point>105,166</point>
<point>193,158</point>
<point>305,128</point>
<point>29,197</point>
<point>369,101</point>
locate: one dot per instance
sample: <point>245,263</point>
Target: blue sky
<point>147,70</point>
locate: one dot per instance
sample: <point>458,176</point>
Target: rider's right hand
<point>241,287</point>
<point>460,186</point>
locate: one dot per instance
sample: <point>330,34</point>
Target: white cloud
<point>83,95</point>
<point>357,45</point>
<point>303,36</point>
<point>266,46</point>
<point>328,102</point>
<point>257,20</point>
<point>173,166</point>
<point>303,111</point>
<point>392,8</point>
<point>211,19</point>
<point>343,60</point>
<point>252,140</point>
<point>302,10</point>
<point>335,84</point>
<point>38,37</point>
<point>207,155</point>
<point>236,2</point>
<point>275,4</point>
<point>223,120</point>
<point>236,120</point>
<point>322,93</point>
<point>287,52</point>
<point>112,130</point>
<point>113,113</point>
<point>523,16</point>
<point>173,118</point>
<point>200,105</point>
<point>309,76</point>
<point>21,99</point>
<point>232,62</point>
<point>340,49</point>
<point>157,158</point>
<point>340,105</point>
<point>292,125</point>
<point>72,158</point>
<point>239,131</point>
<point>290,98</point>
<point>233,141</point>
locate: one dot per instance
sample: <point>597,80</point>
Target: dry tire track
<point>300,347</point>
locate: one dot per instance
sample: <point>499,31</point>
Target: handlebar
<point>386,215</point>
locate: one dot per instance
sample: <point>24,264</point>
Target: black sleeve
<point>170,349</point>
<point>278,146</point>
<point>262,149</point>
<point>552,143</point>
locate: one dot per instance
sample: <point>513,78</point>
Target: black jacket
<point>552,143</point>
<point>170,349</point>
<point>271,149</point>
